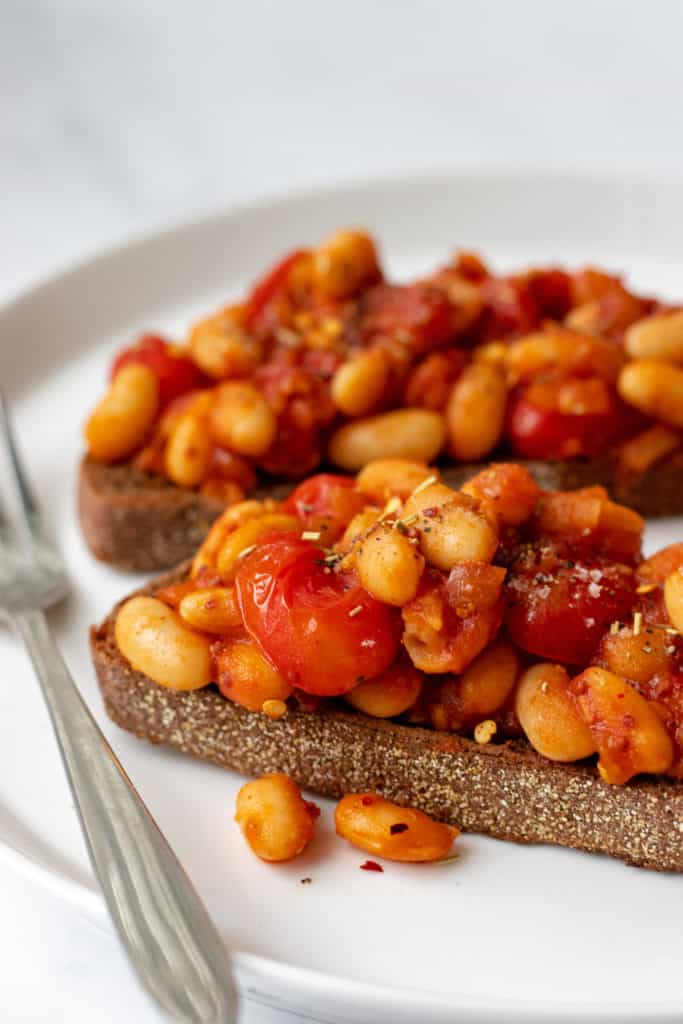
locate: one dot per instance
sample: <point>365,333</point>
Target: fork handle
<point>165,928</point>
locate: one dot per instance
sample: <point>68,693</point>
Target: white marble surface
<point>119,116</point>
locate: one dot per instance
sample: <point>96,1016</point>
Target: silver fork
<point>163,925</point>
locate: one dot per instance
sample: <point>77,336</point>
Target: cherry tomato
<point>326,503</point>
<point>537,429</point>
<point>321,630</point>
<point>418,315</point>
<point>176,374</point>
<point>268,287</point>
<point>561,611</point>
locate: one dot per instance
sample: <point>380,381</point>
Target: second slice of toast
<point>138,521</point>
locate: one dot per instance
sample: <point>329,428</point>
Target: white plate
<point>507,933</point>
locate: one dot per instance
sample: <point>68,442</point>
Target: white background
<point>123,115</point>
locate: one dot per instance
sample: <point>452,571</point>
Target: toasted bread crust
<point>137,521</point>
<point>504,790</point>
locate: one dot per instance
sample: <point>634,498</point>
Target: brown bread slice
<point>504,790</point>
<point>137,521</point>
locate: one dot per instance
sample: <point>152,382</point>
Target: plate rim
<point>256,970</point>
<point>278,198</point>
<point>356,994</point>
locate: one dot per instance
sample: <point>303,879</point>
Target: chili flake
<point>371,865</point>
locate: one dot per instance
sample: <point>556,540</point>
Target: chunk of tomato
<point>301,399</point>
<point>269,287</point>
<point>319,628</point>
<point>551,290</point>
<point>417,315</point>
<point>177,374</point>
<point>326,503</point>
<point>538,429</point>
<point>561,613</point>
<point>510,309</point>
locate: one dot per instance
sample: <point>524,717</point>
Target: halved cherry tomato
<point>538,429</point>
<point>177,374</point>
<point>321,630</point>
<point>267,287</point>
<point>326,503</point>
<point>560,611</point>
<point>417,315</point>
<point>305,618</point>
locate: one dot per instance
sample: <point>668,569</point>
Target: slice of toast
<point>137,521</point>
<point>505,790</point>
